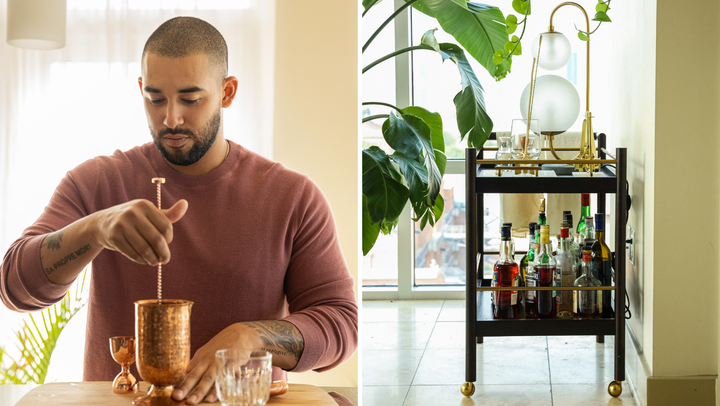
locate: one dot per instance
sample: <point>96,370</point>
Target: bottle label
<point>514,294</point>
<point>530,294</point>
<point>575,300</point>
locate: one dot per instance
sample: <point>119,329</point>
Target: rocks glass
<point>243,377</point>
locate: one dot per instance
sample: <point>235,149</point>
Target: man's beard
<point>201,142</point>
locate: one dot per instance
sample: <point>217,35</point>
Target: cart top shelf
<point>603,182</point>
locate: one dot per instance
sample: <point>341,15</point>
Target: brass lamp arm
<point>587,23</point>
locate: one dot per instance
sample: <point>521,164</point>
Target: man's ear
<point>140,84</point>
<point>229,86</point>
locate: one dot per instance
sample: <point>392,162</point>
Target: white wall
<point>666,76</point>
<point>316,121</point>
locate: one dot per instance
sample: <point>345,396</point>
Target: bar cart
<point>479,319</point>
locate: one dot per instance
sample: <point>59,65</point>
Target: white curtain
<point>59,108</point>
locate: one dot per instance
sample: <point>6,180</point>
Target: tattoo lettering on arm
<point>280,338</point>
<point>52,241</point>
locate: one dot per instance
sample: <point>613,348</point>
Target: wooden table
<point>100,393</point>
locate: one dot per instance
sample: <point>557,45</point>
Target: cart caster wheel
<point>615,388</point>
<point>467,389</point>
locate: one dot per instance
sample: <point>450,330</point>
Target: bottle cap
<point>585,199</point>
<point>588,220</point>
<point>507,224</point>
<point>542,205</point>
<point>505,233</point>
<point>564,224</point>
<point>599,221</point>
<point>564,232</point>
<point>544,229</point>
<point>542,217</point>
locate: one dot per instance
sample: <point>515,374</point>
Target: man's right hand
<point>138,230</point>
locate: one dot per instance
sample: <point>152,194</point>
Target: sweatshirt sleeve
<point>24,287</point>
<point>319,287</point>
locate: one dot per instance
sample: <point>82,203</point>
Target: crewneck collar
<point>163,169</point>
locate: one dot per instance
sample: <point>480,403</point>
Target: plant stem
<point>375,117</point>
<point>395,14</point>
<point>396,53</point>
<point>382,104</point>
<point>522,34</point>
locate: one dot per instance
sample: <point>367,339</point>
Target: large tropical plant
<point>36,341</point>
<point>414,169</point>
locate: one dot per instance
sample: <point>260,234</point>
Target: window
<point>431,263</point>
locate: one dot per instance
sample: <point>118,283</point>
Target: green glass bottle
<point>584,212</point>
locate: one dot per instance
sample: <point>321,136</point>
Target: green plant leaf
<point>382,185</point>
<point>370,230</point>
<point>368,4</point>
<point>498,57</point>
<point>472,118</point>
<point>411,135</point>
<point>601,6</point>
<point>479,28</point>
<point>521,6</point>
<point>582,36</point>
<point>433,120</point>
<point>429,39</point>
<point>601,16</point>
<point>511,22</point>
<point>416,175</point>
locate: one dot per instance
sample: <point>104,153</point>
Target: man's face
<point>182,101</point>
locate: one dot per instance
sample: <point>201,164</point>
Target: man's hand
<point>138,230</point>
<point>280,338</point>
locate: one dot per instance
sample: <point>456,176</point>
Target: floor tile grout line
<point>423,353</point>
<point>547,348</point>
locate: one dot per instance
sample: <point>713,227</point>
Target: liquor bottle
<point>529,277</point>
<point>574,248</point>
<point>602,260</point>
<point>564,275</point>
<point>530,254</point>
<point>505,274</point>
<point>545,270</point>
<point>587,303</point>
<point>584,212</point>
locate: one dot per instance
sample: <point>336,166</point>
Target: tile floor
<point>413,354</point>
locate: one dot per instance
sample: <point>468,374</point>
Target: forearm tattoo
<point>52,242</point>
<point>280,338</point>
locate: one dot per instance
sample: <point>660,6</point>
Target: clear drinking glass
<point>243,377</point>
<point>505,151</point>
<point>528,137</point>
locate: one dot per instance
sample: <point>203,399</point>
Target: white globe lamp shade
<point>554,51</point>
<point>36,24</point>
<point>556,103</point>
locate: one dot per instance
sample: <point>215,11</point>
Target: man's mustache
<point>175,131</point>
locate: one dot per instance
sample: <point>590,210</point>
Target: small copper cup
<point>162,333</point>
<point>122,349</point>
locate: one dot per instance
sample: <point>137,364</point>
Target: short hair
<point>184,36</point>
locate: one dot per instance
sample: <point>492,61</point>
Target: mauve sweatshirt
<point>258,242</point>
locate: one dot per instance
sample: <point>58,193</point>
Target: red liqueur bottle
<point>505,274</point>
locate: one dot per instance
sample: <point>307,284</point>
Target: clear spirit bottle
<point>587,303</point>
<point>545,270</point>
<point>505,274</point>
<point>564,275</point>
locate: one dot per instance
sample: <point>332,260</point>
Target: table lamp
<point>554,99</point>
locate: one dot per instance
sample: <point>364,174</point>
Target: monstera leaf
<point>479,28</point>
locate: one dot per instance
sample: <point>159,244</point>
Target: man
<point>252,243</point>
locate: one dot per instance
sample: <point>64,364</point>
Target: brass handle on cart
<point>526,288</point>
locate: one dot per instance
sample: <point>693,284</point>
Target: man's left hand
<point>201,370</point>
